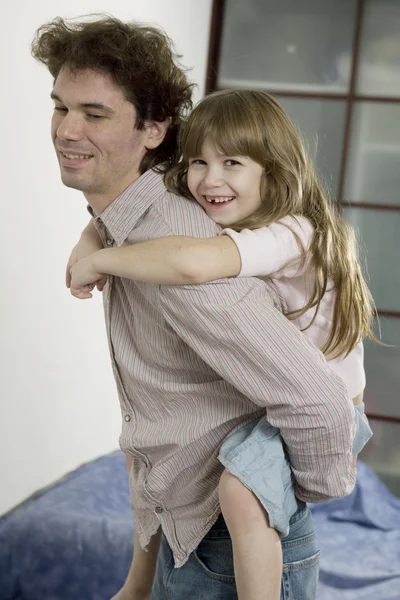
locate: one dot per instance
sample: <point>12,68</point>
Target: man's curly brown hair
<point>140,59</point>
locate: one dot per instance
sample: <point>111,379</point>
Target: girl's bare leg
<point>257,551</point>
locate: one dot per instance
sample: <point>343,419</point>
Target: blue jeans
<point>209,575</point>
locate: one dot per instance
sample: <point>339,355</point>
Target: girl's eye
<point>197,161</point>
<point>231,162</point>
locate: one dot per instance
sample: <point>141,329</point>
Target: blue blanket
<point>75,540</point>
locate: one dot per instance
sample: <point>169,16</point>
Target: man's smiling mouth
<point>75,156</point>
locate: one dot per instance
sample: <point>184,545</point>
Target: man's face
<point>94,135</point>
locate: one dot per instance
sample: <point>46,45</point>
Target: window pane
<point>379,62</point>
<point>382,368</point>
<point>321,123</point>
<point>373,173</point>
<point>287,44</point>
<point>379,232</point>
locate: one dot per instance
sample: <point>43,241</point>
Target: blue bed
<point>74,540</point>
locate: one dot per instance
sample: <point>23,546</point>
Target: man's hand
<point>130,594</point>
<point>140,578</point>
<point>84,277</point>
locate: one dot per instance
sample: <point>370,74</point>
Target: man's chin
<point>73,183</point>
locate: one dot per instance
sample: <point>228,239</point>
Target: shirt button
<point>127,418</point>
<point>158,509</point>
<point>109,242</point>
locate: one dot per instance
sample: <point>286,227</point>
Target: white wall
<point>58,403</point>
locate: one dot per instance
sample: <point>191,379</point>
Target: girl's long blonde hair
<point>251,123</point>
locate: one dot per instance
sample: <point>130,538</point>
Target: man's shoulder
<point>183,216</point>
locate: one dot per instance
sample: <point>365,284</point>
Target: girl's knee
<point>240,507</point>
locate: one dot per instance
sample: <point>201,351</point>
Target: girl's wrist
<point>98,261</point>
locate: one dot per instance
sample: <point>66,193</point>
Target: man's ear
<point>156,132</point>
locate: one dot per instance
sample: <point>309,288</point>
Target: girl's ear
<point>156,132</point>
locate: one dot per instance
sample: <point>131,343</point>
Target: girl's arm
<point>177,260</point>
<point>173,260</point>
<point>274,251</point>
<point>88,243</point>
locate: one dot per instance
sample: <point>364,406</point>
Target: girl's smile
<point>227,187</point>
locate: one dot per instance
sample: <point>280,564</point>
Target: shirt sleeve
<point>235,327</point>
<point>274,250</point>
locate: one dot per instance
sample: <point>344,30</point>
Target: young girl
<point>244,163</point>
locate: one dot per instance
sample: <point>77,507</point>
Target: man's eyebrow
<point>98,106</point>
<point>91,105</point>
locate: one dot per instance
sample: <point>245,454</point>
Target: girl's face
<point>227,187</point>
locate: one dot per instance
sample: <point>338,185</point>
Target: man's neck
<point>99,202</point>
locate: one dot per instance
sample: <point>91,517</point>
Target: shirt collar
<point>121,216</point>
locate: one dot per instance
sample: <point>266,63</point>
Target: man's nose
<point>70,128</point>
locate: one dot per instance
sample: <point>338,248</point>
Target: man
<point>192,364</point>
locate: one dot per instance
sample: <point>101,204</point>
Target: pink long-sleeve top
<point>274,252</point>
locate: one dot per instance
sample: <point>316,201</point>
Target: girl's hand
<point>87,245</point>
<point>84,277</point>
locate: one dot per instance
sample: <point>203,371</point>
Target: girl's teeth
<point>218,200</point>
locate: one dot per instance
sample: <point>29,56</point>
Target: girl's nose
<point>213,178</point>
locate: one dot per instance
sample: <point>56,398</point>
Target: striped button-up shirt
<point>194,363</point>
